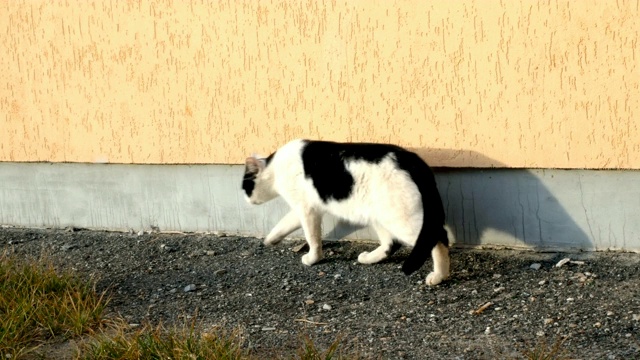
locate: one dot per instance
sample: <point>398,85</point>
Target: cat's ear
<point>254,165</point>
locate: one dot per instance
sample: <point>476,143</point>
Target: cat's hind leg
<point>386,248</point>
<point>440,255</point>
<point>288,224</point>
<point>311,225</point>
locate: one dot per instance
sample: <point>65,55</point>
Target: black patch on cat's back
<point>325,164</point>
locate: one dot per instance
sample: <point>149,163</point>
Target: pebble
<point>636,317</point>
<point>501,288</point>
<point>210,252</point>
<point>190,287</point>
<point>542,282</point>
<point>268,329</point>
<point>610,313</point>
<point>535,266</point>
<point>68,247</point>
<point>540,333</point>
<point>548,321</point>
<point>166,248</point>
<point>562,262</point>
<point>309,302</point>
<point>326,307</point>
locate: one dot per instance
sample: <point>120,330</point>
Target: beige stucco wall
<point>552,84</point>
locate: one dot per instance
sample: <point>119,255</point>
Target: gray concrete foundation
<point>539,209</point>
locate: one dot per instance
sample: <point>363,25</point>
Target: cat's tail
<point>433,231</point>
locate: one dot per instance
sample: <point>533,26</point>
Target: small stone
<point>542,282</point>
<point>627,335</point>
<point>68,247</point>
<point>570,299</point>
<point>141,232</point>
<point>268,329</point>
<point>540,333</point>
<point>326,307</point>
<point>474,292</point>
<point>309,302</point>
<point>210,252</point>
<point>189,288</point>
<point>173,290</point>
<point>487,330</point>
<point>548,321</point>
<point>597,325</point>
<point>497,276</point>
<point>220,272</point>
<point>636,317</point>
<point>535,266</point>
<point>322,273</point>
<point>501,288</point>
<point>337,276</point>
<point>610,313</point>
<point>562,262</point>
<point>165,247</point>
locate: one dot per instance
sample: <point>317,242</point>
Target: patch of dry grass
<point>38,304</point>
<point>148,342</point>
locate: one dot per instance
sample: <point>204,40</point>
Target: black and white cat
<point>384,186</point>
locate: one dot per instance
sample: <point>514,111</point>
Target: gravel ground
<point>592,303</point>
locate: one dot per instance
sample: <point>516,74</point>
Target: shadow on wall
<point>499,206</point>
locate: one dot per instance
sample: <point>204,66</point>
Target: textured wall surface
<point>551,84</point>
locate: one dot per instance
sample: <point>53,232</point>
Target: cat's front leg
<point>288,224</point>
<point>383,251</point>
<point>311,225</point>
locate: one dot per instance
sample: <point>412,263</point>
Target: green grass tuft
<point>542,351</point>
<point>160,343</point>
<point>38,304</point>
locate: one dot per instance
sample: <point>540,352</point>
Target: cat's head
<point>258,181</point>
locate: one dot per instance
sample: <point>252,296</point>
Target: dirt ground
<point>592,303</point>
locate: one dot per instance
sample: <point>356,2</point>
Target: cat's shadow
<point>498,206</point>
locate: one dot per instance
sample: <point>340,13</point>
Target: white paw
<point>311,258</point>
<point>435,278</point>
<point>363,258</point>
